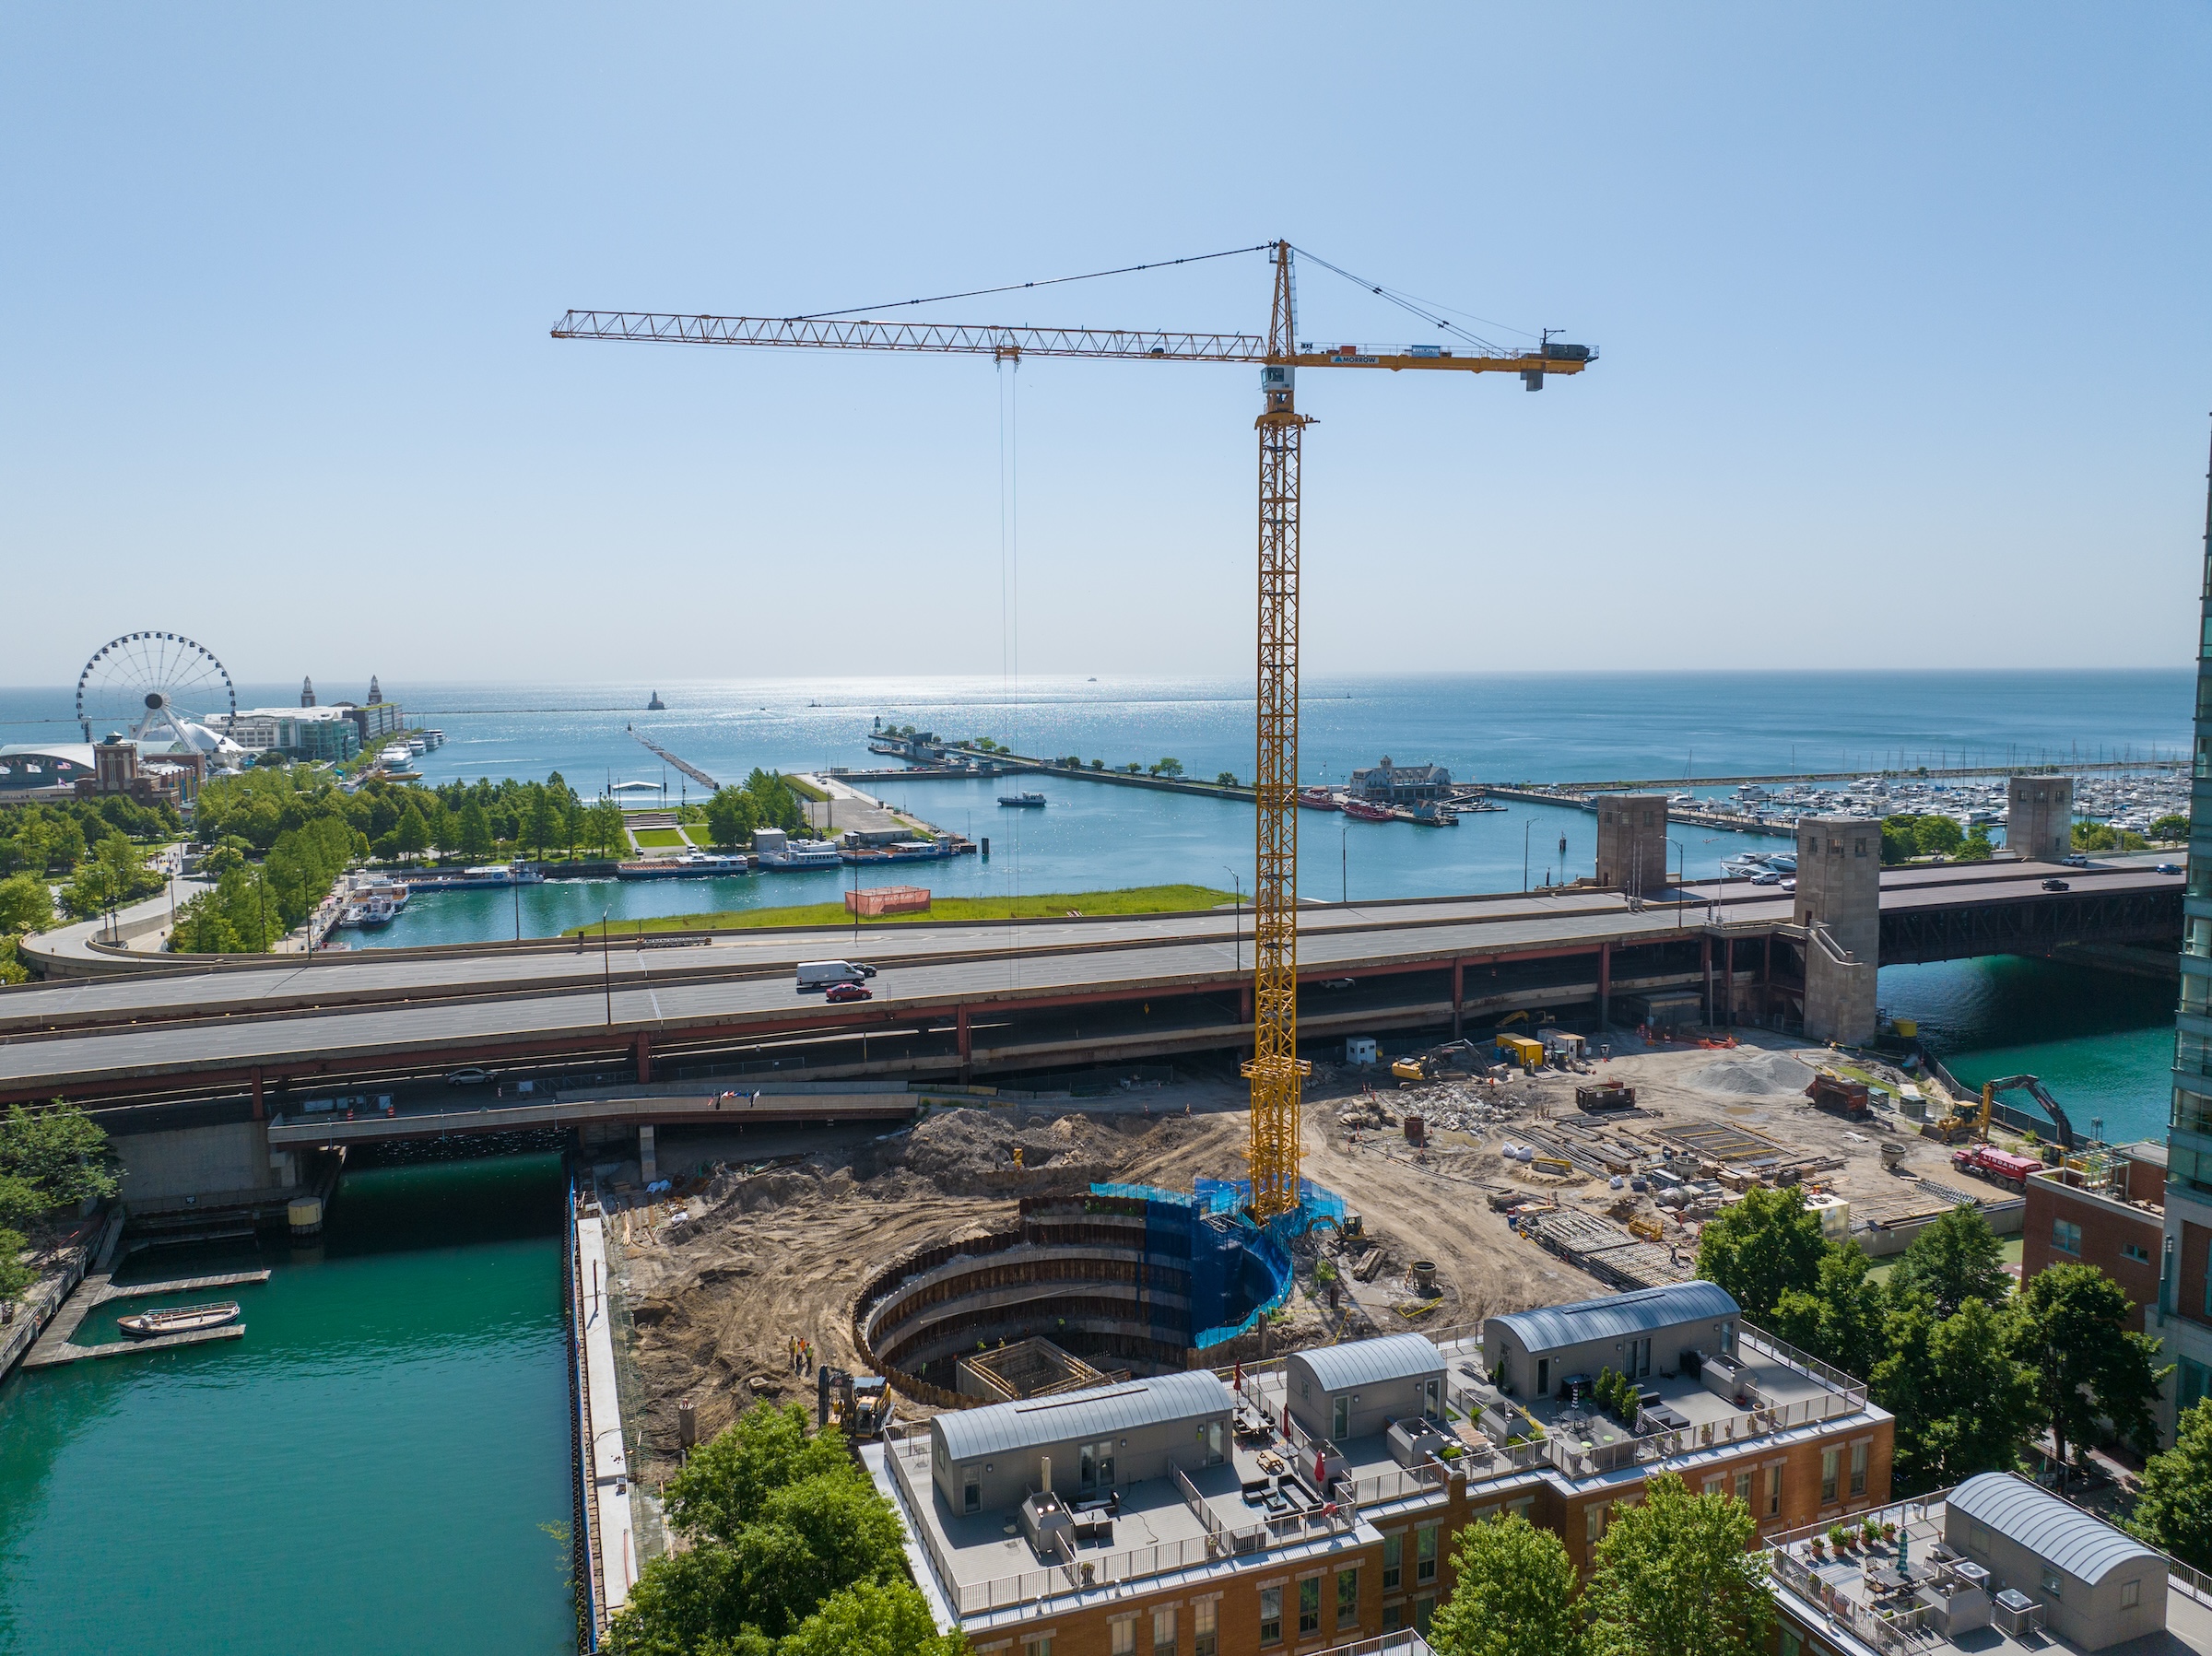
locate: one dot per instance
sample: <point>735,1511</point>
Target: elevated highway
<point>959,998</point>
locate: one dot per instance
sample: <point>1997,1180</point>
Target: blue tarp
<point>1240,1272</point>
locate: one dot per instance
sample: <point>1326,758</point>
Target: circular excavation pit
<point>1085,1290</point>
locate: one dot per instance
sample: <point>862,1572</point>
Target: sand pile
<point>1752,1074</point>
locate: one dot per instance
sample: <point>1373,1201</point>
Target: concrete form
<point>2039,817</point>
<point>1631,842</point>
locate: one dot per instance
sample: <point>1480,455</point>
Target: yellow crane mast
<point>1275,1071</point>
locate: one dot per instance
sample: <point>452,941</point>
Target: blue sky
<point>1905,346</point>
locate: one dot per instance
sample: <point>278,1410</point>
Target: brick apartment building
<point>2111,1215</point>
<point>1312,1500</point>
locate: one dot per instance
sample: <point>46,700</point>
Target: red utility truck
<point>2001,1165</point>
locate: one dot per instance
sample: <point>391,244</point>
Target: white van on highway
<point>820,974</point>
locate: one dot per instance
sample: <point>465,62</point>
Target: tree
<point>413,833</point>
<point>1760,1248</point>
<point>1228,778</point>
<point>732,816</point>
<point>603,827</point>
<point>727,1483</point>
<point>1514,1595</point>
<point>1674,1578</point>
<point>25,905</point>
<point>1167,767</point>
<point>1956,1259</point>
<point>59,1152</point>
<point>15,1275</point>
<point>2174,1510</point>
<point>2173,826</point>
<point>544,819</point>
<point>1838,1320</point>
<point>476,831</point>
<point>1978,848</point>
<point>1938,833</point>
<point>873,1619</point>
<point>1963,1403</point>
<point>779,1523</point>
<point>2070,1326</point>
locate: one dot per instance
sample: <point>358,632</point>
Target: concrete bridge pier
<point>649,1167</point>
<point>1840,904</point>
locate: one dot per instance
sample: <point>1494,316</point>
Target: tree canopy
<point>1963,1403</point>
<point>1762,1248</point>
<point>2070,1326</point>
<point>1672,1578</point>
<point>1514,1595</point>
<point>1956,1259</point>
<point>2174,1510</point>
<point>792,1552</point>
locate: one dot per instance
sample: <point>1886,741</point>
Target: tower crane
<point>1274,1070</point>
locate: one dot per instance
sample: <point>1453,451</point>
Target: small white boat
<point>178,1320</point>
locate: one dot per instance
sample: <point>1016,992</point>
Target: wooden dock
<point>58,1345</point>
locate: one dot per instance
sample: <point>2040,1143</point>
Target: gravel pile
<point>1752,1076</point>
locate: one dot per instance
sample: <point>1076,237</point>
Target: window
<point>1858,1469</point>
<point>1791,1644</point>
<point>971,1490</point>
<point>1523,1508</point>
<point>1832,1461</point>
<point>1271,1616</point>
<point>2137,1252</point>
<point>1309,1606</point>
<point>1340,1418</point>
<point>1977,1538</point>
<point>2055,1584</point>
<point>2131,1594</point>
<point>1424,1553</point>
<point>1348,1597</point>
<point>1743,1489</point>
<point>1037,1644</point>
<point>1593,1523</point>
<point>1394,1553</point>
<point>1422,1610</point>
<point>1205,1635</point>
<point>1775,1491</point>
<point>1163,1632</point>
<point>1394,1618</point>
<point>1124,1636</point>
<point>1714,1484</point>
<point>2065,1236</point>
<point>1543,1376</point>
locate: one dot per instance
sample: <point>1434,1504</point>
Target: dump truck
<point>1833,1091</point>
<point>2001,1167</point>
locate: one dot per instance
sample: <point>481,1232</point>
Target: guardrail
<point>1805,1363</point>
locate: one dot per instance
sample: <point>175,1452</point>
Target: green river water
<point>382,1464</point>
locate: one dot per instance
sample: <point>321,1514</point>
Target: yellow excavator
<point>1973,1124</point>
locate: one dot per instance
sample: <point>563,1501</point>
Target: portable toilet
<point>1359,1050</point>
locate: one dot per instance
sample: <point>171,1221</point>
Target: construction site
<point>1024,1225</point>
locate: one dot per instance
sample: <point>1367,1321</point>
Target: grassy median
<point>1050,905</point>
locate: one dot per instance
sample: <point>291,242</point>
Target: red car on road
<point>848,992</point>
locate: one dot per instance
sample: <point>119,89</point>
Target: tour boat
<point>1361,811</point>
<point>179,1319</point>
<point>1319,799</point>
<point>1027,802</point>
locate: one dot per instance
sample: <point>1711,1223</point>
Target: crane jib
<point>980,339</point>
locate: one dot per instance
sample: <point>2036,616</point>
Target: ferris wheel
<point>143,679</point>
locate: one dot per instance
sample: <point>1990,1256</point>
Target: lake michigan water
<point>381,1460</point>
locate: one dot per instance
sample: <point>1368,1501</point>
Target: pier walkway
<point>58,1345</point>
<point>607,1459</point>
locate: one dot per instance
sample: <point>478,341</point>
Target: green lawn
<point>805,789</point>
<point>1052,905</point>
<point>670,838</point>
<point>2009,1248</point>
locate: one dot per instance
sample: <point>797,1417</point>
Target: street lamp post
<point>605,973</point>
<point>1524,829</point>
<point>1237,880</point>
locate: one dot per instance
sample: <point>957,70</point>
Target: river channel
<point>381,1463</point>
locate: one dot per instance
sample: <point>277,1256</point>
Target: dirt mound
<point>971,1152</point>
<point>1751,1075</point>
